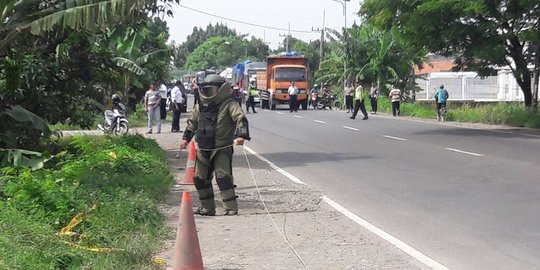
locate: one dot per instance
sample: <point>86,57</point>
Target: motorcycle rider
<point>327,95</point>
<point>214,123</point>
<point>118,110</point>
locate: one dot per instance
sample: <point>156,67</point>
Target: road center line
<point>394,138</point>
<point>319,121</point>
<point>351,128</point>
<point>464,152</point>
<point>280,113</point>
<point>386,236</point>
<point>358,220</point>
<point>298,116</point>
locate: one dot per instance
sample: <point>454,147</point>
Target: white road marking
<point>275,167</point>
<point>280,113</point>
<point>394,138</point>
<point>298,116</point>
<point>464,152</point>
<point>351,128</point>
<point>319,121</point>
<point>386,236</point>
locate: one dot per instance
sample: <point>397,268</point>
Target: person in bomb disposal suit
<point>214,123</point>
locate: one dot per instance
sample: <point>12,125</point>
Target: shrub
<point>115,180</point>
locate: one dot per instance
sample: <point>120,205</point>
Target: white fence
<point>467,86</point>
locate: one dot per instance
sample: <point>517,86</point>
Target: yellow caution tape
<point>94,249</point>
<point>66,231</point>
<point>112,154</point>
<point>160,261</point>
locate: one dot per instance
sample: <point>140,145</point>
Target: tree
<point>40,17</point>
<point>483,33</point>
<point>198,37</point>
<point>219,52</point>
<point>50,64</point>
<point>133,48</point>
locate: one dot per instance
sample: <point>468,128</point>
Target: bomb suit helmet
<point>211,85</point>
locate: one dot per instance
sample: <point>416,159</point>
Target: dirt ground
<point>299,231</point>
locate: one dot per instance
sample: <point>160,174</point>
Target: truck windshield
<point>291,74</point>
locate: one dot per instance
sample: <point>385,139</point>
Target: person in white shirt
<point>293,99</point>
<point>176,104</point>
<point>152,100</point>
<point>395,98</point>
<point>163,105</point>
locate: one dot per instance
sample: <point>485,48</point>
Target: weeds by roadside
<point>512,114</point>
<point>116,181</point>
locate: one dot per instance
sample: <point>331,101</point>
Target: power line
<point>247,23</point>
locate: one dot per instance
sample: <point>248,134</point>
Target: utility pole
<point>287,38</point>
<point>344,4</point>
<point>321,43</point>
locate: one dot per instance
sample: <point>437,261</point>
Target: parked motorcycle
<point>329,102</point>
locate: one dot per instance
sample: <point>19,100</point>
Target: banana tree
<point>130,57</point>
<point>38,17</point>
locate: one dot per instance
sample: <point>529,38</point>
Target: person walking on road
<point>176,104</point>
<point>293,99</point>
<point>214,123</point>
<point>395,98</point>
<point>349,92</point>
<point>252,92</point>
<point>373,96</point>
<point>163,104</point>
<point>359,99</point>
<point>152,100</point>
<point>440,97</point>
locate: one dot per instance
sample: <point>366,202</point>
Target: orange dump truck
<point>274,83</point>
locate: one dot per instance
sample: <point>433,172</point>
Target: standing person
<point>196,96</point>
<point>237,94</point>
<point>163,104</point>
<point>373,96</point>
<point>359,102</point>
<point>293,99</point>
<point>152,99</point>
<point>349,92</point>
<point>314,95</point>
<point>214,124</point>
<point>252,92</point>
<point>440,97</point>
<point>395,98</point>
<point>176,103</point>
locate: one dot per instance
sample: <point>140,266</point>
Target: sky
<point>303,15</point>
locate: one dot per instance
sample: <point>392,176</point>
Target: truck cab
<point>281,70</point>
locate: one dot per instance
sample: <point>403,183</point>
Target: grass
<point>511,114</point>
<point>115,181</point>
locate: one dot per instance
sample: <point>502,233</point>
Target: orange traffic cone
<point>190,166</point>
<point>187,253</point>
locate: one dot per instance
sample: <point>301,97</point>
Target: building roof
<point>434,66</point>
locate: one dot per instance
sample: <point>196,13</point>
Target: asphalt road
<point>467,198</point>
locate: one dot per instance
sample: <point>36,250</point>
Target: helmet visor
<point>209,90</point>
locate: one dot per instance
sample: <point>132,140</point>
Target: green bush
<point>117,181</point>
